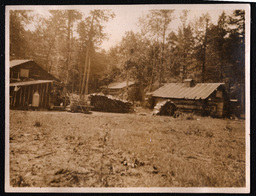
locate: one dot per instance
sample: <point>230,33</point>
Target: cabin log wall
<point>213,106</point>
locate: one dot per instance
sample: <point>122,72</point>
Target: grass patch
<point>125,150</point>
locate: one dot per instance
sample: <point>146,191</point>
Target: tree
<point>236,52</point>
<point>95,35</point>
<point>156,25</point>
<point>201,43</point>
<point>180,48</point>
<point>18,20</point>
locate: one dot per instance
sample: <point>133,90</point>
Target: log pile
<point>165,108</point>
<point>108,103</point>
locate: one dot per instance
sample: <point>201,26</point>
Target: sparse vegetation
<point>125,150</point>
<point>190,116</point>
<point>37,124</point>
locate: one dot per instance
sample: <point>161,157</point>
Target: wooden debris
<point>79,104</point>
<point>165,108</point>
<point>45,154</point>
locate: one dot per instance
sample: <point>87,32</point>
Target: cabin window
<point>24,73</point>
<point>219,94</point>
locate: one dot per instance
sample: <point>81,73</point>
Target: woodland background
<point>68,45</point>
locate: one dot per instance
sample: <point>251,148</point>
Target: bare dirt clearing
<point>62,149</point>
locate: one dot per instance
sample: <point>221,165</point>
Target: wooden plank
<point>24,96</point>
<point>15,97</point>
<point>12,95</point>
<point>40,95</point>
<point>193,107</point>
<point>47,96</point>
<point>32,93</point>
<point>37,89</point>
<point>29,87</point>
<point>20,99</point>
<point>42,86</point>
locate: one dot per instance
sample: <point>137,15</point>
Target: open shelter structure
<point>26,78</point>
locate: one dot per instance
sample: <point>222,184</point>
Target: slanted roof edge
<point>198,93</point>
<point>25,61</point>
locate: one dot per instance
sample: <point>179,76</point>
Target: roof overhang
<point>34,82</point>
<point>200,91</point>
<point>15,63</point>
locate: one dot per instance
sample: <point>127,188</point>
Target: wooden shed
<point>26,78</point>
<point>201,98</point>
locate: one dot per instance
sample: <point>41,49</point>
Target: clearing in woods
<point>62,149</point>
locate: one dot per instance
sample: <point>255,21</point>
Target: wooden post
<point>46,96</point>
<point>43,92</point>
<point>12,94</point>
<point>15,97</point>
<point>29,93</point>
<point>32,92</point>
<point>20,96</point>
<point>52,94</point>
<point>24,96</point>
<point>40,95</point>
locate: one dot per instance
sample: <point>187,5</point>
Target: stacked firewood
<point>105,103</point>
<point>165,108</point>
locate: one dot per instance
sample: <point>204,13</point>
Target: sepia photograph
<point>128,98</point>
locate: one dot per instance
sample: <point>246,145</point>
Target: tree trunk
<point>69,51</point>
<point>204,51</point>
<point>87,77</point>
<point>50,48</point>
<point>85,70</point>
<point>87,58</point>
<point>152,73</point>
<point>163,67</point>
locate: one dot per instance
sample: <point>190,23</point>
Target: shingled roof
<point>181,91</point>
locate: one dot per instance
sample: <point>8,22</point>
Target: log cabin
<point>26,78</point>
<point>200,98</point>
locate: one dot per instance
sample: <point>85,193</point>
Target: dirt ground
<point>63,149</point>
